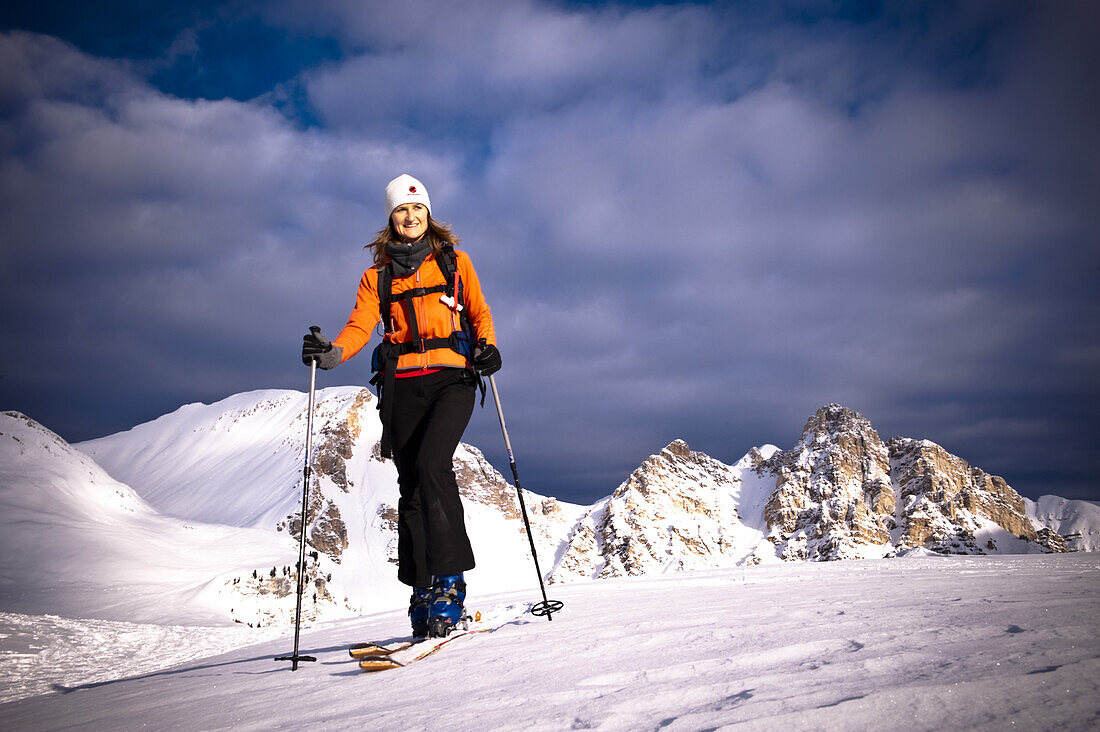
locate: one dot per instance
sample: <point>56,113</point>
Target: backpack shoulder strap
<point>385,295</point>
<point>448,263</point>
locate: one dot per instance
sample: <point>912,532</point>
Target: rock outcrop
<point>842,493</point>
<point>332,449</point>
<point>479,482</point>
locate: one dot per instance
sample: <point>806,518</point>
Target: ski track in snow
<point>919,643</point>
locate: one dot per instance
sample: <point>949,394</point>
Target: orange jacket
<point>434,319</point>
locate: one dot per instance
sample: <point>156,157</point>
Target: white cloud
<point>678,216</point>
<point>478,63</point>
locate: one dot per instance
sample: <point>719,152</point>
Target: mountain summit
<point>833,497</point>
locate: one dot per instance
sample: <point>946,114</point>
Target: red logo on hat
<point>412,189</point>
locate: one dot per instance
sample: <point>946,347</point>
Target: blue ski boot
<point>419,610</point>
<point>448,596</point>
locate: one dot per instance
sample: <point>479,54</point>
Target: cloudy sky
<point>692,220</point>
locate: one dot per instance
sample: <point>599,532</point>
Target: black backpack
<point>460,341</point>
<point>384,358</point>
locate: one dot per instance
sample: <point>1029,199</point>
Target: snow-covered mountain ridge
<point>235,466</point>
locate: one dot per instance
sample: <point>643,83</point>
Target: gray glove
<point>315,347</point>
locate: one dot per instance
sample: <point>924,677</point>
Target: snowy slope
<point>1078,521</point>
<point>982,643</point>
<point>79,543</point>
<point>923,641</point>
<point>237,461</point>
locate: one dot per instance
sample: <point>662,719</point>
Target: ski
<point>371,649</point>
<point>368,650</point>
<point>398,653</point>
<point>413,652</point>
<point>379,663</point>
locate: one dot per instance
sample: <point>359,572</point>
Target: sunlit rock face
<point>946,501</point>
<point>833,497</point>
<point>676,511</point>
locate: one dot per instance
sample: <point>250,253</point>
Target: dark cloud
<point>691,220</point>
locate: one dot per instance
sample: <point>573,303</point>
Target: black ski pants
<point>430,413</point>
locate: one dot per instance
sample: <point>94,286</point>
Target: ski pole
<point>295,658</point>
<point>546,607</point>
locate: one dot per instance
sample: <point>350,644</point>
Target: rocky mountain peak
<point>677,449</point>
<point>833,490</point>
<point>676,510</point>
<point>840,492</point>
<point>835,419</point>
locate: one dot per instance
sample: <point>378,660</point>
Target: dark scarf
<point>407,258</point>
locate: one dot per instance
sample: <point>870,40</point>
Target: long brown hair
<point>437,235</point>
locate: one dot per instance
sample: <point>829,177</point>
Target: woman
<point>439,336</point>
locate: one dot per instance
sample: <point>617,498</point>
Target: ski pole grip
<point>315,331</point>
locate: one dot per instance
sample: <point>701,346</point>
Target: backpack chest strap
<point>418,292</point>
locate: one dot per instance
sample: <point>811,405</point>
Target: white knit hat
<point>406,189</point>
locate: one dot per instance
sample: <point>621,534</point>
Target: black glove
<point>486,358</point>
<point>315,347</point>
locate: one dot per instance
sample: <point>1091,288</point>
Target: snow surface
<point>41,653</point>
<point>921,642</point>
